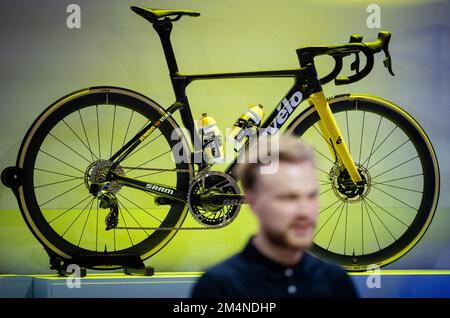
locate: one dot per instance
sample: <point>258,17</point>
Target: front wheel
<point>378,222</point>
<point>68,148</point>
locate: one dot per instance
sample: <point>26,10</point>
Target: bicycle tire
<point>39,130</point>
<point>431,179</point>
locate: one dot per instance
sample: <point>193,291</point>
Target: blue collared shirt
<point>252,274</point>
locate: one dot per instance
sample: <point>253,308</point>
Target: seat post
<point>164,28</point>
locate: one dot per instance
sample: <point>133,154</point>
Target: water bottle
<point>211,138</point>
<point>246,126</point>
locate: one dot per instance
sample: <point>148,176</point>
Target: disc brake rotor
<point>345,189</point>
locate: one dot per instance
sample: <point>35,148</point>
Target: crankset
<point>214,200</point>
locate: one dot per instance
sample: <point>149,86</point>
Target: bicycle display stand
<point>131,264</point>
<point>12,177</point>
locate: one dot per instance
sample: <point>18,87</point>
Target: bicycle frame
<point>306,86</point>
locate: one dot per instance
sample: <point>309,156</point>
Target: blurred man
<point>274,262</point>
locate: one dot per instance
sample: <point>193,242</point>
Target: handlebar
<point>338,52</point>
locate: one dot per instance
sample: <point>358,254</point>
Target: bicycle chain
<point>157,169</point>
<point>172,228</point>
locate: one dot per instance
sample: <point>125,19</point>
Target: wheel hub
<point>343,186</point>
<point>96,174</point>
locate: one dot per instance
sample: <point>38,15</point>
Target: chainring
<point>206,182</point>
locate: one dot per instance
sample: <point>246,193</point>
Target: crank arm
<point>219,199</point>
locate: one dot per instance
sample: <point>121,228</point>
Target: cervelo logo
<point>159,188</point>
<point>284,113</point>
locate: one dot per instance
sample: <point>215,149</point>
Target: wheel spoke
<point>69,209</point>
<point>374,140</point>
<point>98,134</point>
<point>362,134</point>
<point>337,222</point>
<point>139,149</point>
<point>384,140</point>
<point>386,211</point>
<point>61,161</point>
<point>87,139</point>
<point>320,212</point>
<point>348,133</point>
<point>58,182</point>
<point>373,229</point>
<point>342,202</point>
<point>389,154</point>
<point>128,127</point>
<point>345,230</point>
<point>79,214</point>
<point>323,155</point>
<point>321,170</point>
<point>362,227</point>
<point>141,208</point>
<point>137,222</point>
<point>395,167</point>
<point>125,222</point>
<point>84,227</point>
<point>415,175</point>
<point>76,135</point>
<point>367,205</point>
<point>325,191</point>
<point>61,174</point>
<point>61,194</point>
<point>397,187</point>
<point>150,174</point>
<point>112,133</point>
<point>62,142</point>
<point>96,228</point>
<point>396,198</point>
<point>158,156</point>
<point>320,133</point>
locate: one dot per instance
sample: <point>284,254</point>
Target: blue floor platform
<point>390,283</point>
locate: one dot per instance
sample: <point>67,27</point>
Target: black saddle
<point>153,15</point>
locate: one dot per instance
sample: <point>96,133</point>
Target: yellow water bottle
<point>211,138</point>
<point>246,126</point>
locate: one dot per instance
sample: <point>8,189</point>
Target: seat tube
<point>164,28</point>
<point>333,134</point>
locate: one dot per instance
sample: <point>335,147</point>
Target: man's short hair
<point>281,148</point>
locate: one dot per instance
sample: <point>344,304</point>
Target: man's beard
<point>282,239</point>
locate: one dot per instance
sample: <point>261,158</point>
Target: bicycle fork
<point>332,135</point>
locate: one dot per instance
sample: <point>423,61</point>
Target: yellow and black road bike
<point>96,175</point>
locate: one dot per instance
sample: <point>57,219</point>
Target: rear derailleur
<point>107,199</point>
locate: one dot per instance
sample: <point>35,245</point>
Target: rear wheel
<point>68,148</point>
<point>378,222</point>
